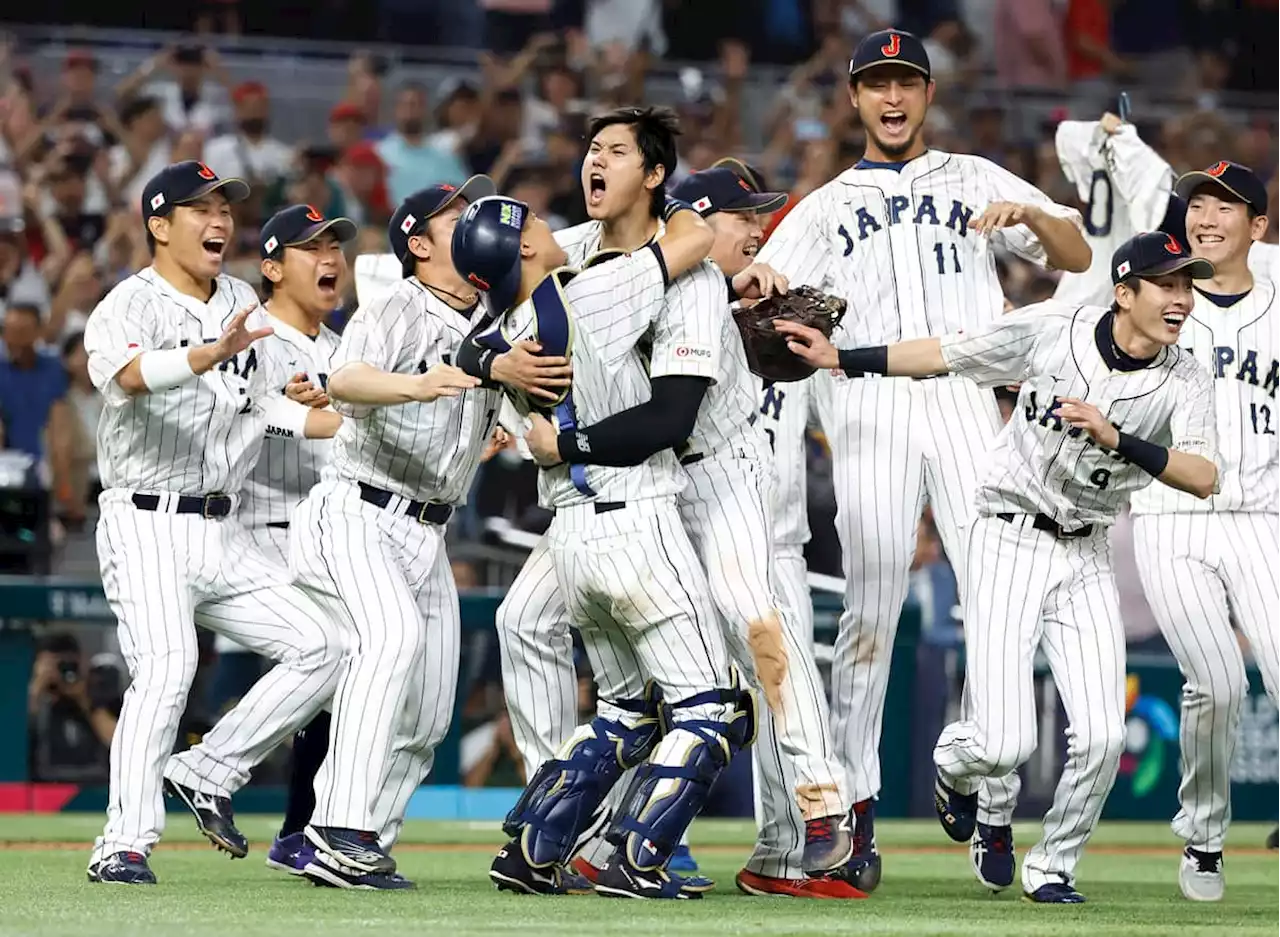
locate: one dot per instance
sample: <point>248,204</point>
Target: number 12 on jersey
<point>1260,414</point>
<point>939,253</point>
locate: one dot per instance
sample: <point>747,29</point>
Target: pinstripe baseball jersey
<point>784,416</point>
<point>288,468</point>
<point>1240,347</point>
<point>696,337</point>
<point>612,305</point>
<point>1124,185</point>
<point>202,436</point>
<point>899,247</point>
<point>1043,465</point>
<point>420,451</point>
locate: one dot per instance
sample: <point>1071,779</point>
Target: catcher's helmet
<point>486,247</point>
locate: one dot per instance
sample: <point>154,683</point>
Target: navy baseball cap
<point>1155,254</point>
<point>889,47</point>
<point>186,182</point>
<point>486,247</point>
<point>1240,183</point>
<point>722,189</point>
<point>739,168</point>
<point>414,212</point>
<point>298,225</point>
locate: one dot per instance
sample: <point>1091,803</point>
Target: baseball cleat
<point>749,883</point>
<point>214,818</point>
<point>863,868</point>
<point>828,844</point>
<point>958,813</point>
<point>353,850</point>
<point>512,872</point>
<point>619,879</point>
<point>1054,893</point>
<point>123,868</point>
<point>682,860</point>
<point>1200,875</point>
<point>690,883</point>
<point>1273,841</point>
<point>323,874</point>
<point>290,854</point>
<point>992,857</point>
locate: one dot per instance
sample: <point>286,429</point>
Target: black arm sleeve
<point>630,437</point>
<point>475,359</point>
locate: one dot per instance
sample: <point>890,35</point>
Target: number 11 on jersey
<point>940,255</point>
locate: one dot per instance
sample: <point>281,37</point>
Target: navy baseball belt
<point>1049,525</point>
<point>205,506</point>
<point>424,512</point>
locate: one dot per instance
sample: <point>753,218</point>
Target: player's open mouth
<point>1175,319</point>
<point>328,283</point>
<point>750,248</point>
<point>595,183</point>
<point>893,121</point>
<point>214,247</point>
<point>1209,239</point>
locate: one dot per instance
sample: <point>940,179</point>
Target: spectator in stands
<point>458,115</point>
<point>1029,44</point>
<point>83,221</point>
<point>365,72</point>
<point>363,180</point>
<point>559,94</point>
<point>346,126</point>
<point>496,145</point>
<point>249,152</point>
<point>77,107</point>
<point>85,404</point>
<point>143,150</point>
<point>533,187</point>
<point>1091,62</point>
<point>72,712</point>
<point>193,97</point>
<point>412,163</point>
<point>78,292</point>
<point>33,388</point>
<point>21,282</point>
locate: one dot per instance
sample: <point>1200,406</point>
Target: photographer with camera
<point>72,712</point>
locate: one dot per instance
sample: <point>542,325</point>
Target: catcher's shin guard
<point>700,736</point>
<point>560,800</point>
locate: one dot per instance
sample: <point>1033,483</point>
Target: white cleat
<point>1201,875</point>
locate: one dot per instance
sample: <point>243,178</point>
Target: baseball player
<point>907,237</point>
<point>1108,402</point>
<point>627,571</point>
<point>303,272</point>
<point>370,537</point>
<point>1207,564</point>
<point>188,401</point>
<point>1125,187</point>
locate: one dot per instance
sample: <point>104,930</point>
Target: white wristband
<point>286,418</point>
<point>164,369</point>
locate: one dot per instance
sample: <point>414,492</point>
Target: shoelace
<point>1206,862</point>
<point>821,830</point>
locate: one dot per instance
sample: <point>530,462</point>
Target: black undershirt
<point>664,421</point>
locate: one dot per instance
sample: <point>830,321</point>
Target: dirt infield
<point>1147,852</point>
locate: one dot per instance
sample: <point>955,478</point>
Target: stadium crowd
<point>75,151</point>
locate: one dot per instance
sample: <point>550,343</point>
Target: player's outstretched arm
<point>288,419</point>
<point>920,357</point>
<point>155,371</point>
<point>664,421</point>
<point>1185,471</point>
<point>364,385</point>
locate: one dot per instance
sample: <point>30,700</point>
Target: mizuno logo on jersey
<point>1225,360</point>
<point>899,208</point>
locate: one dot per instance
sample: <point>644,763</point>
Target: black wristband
<point>485,364</point>
<point>567,446</point>
<point>856,362</point>
<point>1148,456</point>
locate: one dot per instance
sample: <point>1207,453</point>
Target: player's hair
<point>268,287</point>
<point>1135,284</point>
<point>655,130</point>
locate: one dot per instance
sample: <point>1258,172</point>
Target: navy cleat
<point>863,868</point>
<point>123,868</point>
<point>958,813</point>
<point>322,873</point>
<point>620,879</point>
<point>511,871</point>
<point>828,844</point>
<point>290,854</point>
<point>992,857</point>
<point>214,818</point>
<point>354,851</point>
<point>1054,893</point>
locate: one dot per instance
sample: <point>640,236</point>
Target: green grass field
<point>1129,876</point>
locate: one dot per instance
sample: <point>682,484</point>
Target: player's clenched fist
<point>1005,215</point>
<point>1089,418</point>
<point>543,376</point>
<point>442,380</point>
<point>300,390</point>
